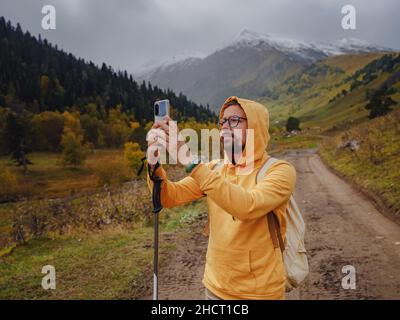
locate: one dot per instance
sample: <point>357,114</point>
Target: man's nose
<point>226,125</point>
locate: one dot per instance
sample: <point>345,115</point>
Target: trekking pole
<point>156,209</point>
<point>156,199</point>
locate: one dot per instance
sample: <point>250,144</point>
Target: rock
<point>352,144</point>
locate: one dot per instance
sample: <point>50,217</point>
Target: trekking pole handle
<point>156,195</point>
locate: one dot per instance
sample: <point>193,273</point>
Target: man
<point>241,261</point>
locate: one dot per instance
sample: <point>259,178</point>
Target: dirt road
<point>343,228</point>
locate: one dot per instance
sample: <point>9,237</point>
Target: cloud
<point>127,34</point>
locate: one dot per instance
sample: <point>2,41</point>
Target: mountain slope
<point>251,65</point>
<point>334,93</point>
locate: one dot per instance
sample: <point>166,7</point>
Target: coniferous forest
<point>40,85</point>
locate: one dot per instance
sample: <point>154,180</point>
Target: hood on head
<point>257,119</point>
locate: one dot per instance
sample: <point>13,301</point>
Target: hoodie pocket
<point>229,270</point>
<point>268,268</point>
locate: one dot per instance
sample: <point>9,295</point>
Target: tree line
<point>37,77</point>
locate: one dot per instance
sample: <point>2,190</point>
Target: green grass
<point>280,143</point>
<point>92,267</point>
<point>112,264</point>
<point>375,166</point>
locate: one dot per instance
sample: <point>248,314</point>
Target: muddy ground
<point>343,228</point>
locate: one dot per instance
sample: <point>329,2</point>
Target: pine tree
<point>292,124</point>
<point>17,142</point>
<point>379,103</point>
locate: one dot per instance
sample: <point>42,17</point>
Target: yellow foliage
<point>111,171</point>
<point>72,124</point>
<point>148,126</point>
<point>192,123</point>
<point>8,182</point>
<point>133,155</point>
<point>135,125</point>
<point>74,153</point>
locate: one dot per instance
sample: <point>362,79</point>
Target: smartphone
<point>161,109</point>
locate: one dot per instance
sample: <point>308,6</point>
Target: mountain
<point>250,65</point>
<point>36,76</point>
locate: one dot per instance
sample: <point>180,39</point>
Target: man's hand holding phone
<point>164,136</point>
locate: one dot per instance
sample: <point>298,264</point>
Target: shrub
<point>122,205</point>
<point>133,156</point>
<point>8,183</point>
<point>74,153</point>
<point>292,124</point>
<point>111,171</point>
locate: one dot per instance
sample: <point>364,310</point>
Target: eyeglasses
<point>233,121</point>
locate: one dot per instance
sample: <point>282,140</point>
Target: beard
<point>232,147</point>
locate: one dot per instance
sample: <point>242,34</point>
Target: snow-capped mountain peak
<point>248,37</point>
<point>352,42</point>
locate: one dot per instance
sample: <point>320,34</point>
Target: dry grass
<point>375,166</point>
<point>47,178</point>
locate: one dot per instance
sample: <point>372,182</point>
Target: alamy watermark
<point>49,280</point>
<point>349,280</point>
<point>182,146</point>
<point>49,19</point>
<point>349,19</point>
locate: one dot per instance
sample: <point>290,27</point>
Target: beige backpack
<point>293,249</point>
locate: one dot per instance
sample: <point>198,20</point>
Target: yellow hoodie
<point>241,261</point>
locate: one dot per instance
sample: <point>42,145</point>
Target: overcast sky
<point>130,33</point>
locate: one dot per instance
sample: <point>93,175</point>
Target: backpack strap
<point>273,222</point>
<point>275,231</point>
<point>264,168</point>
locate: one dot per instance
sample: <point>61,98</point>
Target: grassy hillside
<point>353,95</point>
<point>316,93</point>
<point>373,163</point>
